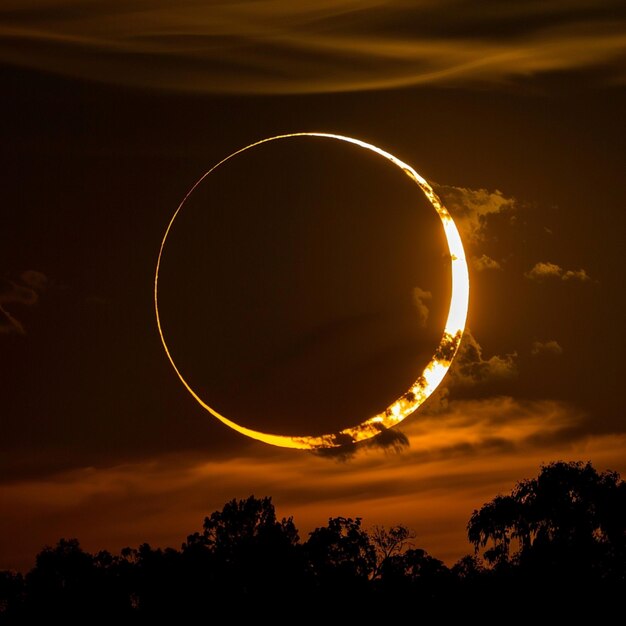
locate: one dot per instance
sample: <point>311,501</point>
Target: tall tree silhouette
<point>497,521</point>
<point>340,554</point>
<point>389,543</point>
<point>570,517</point>
<point>245,549</point>
<point>244,522</point>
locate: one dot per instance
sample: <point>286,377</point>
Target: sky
<point>306,282</point>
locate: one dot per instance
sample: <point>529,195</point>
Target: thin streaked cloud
<point>274,46</point>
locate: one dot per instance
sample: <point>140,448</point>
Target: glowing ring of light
<point>433,373</point>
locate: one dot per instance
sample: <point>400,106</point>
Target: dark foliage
<point>570,519</point>
<point>557,542</point>
<point>558,538</point>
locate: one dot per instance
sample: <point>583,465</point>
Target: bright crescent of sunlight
<point>433,373</point>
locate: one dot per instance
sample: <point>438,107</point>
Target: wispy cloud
<point>544,270</point>
<point>23,291</point>
<point>419,295</point>
<point>34,279</point>
<point>10,324</point>
<point>275,46</point>
<point>484,262</point>
<point>551,346</point>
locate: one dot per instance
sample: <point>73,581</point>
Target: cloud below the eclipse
<point>459,457</point>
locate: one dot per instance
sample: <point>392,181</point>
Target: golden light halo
<point>434,371</point>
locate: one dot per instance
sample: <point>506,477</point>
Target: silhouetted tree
<point>558,540</point>
<point>570,513</point>
<point>155,585</point>
<point>568,525</point>
<point>60,580</point>
<point>497,521</point>
<point>415,572</point>
<point>12,595</point>
<point>389,543</point>
<point>243,522</point>
<point>246,550</point>
<point>470,567</point>
<point>68,582</point>
<point>340,556</point>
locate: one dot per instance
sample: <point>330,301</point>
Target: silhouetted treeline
<point>557,541</point>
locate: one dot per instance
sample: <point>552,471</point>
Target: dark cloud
<point>392,440</point>
<point>472,209</point>
<point>307,47</point>
<point>470,367</point>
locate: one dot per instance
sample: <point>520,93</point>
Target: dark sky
<point>290,285</point>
